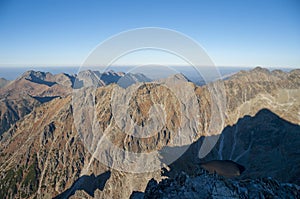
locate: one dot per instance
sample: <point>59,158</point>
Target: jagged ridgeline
<point>44,156</point>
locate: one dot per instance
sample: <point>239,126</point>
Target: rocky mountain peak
<point>259,69</point>
<point>113,73</point>
<point>32,75</point>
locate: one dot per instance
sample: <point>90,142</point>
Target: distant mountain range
<point>97,79</point>
<point>43,154</point>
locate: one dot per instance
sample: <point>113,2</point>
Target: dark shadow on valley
<point>88,184</point>
<point>40,81</point>
<point>45,99</point>
<point>265,144</point>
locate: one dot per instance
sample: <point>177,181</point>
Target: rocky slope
<point>203,185</point>
<point>30,90</point>
<point>46,154</point>
<point>13,108</point>
<point>41,84</point>
<point>33,88</point>
<point>266,145</point>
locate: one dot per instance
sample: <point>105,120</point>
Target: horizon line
<point>136,65</point>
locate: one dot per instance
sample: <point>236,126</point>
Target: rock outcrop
<point>203,185</point>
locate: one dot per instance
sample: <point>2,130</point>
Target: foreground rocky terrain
<point>203,185</point>
<point>45,154</point>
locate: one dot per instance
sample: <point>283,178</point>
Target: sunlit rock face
<point>28,91</point>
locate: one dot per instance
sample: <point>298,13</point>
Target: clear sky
<point>233,33</point>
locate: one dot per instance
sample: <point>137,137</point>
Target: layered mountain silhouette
<point>34,88</point>
<point>45,155</point>
<point>95,78</point>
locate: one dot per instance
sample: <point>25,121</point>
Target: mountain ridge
<point>51,141</point>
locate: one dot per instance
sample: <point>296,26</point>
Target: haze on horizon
<point>233,33</point>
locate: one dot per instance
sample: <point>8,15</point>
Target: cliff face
<point>48,154</point>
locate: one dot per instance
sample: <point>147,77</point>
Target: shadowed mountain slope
<point>266,145</point>
<point>87,183</point>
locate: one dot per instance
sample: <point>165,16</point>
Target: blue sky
<point>233,33</point>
